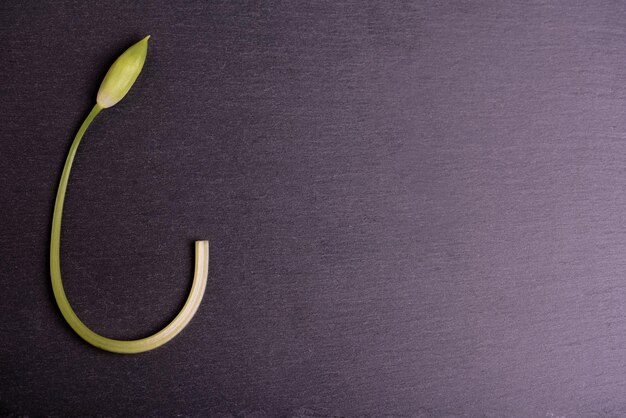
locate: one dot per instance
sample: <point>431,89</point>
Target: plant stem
<point>108,344</point>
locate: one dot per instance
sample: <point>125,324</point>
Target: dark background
<point>416,209</point>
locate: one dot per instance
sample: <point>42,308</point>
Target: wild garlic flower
<point>117,82</point>
<point>122,74</point>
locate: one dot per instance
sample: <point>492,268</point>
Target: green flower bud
<point>115,86</point>
<point>122,74</point>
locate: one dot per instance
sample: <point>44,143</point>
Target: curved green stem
<point>108,344</point>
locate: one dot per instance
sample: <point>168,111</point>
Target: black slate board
<point>415,209</point>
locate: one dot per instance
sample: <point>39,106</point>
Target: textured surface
<point>415,209</point>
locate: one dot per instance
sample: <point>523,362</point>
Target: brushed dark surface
<point>414,208</point>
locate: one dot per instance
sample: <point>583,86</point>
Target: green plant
<point>116,84</point>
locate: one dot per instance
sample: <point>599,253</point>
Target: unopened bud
<point>122,74</point>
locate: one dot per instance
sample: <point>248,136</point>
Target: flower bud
<point>122,74</point>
